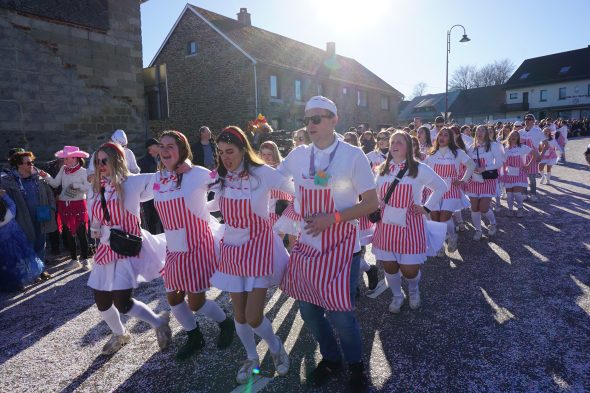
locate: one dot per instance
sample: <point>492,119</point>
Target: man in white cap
<point>323,270</point>
<point>119,137</point>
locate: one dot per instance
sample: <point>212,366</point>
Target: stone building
<point>71,73</point>
<point>215,70</point>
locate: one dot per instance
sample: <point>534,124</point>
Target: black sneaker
<point>323,372</point>
<point>226,333</point>
<point>359,381</point>
<point>194,343</point>
<point>373,276</point>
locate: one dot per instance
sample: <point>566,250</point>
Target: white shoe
<point>452,244</point>
<point>247,370</point>
<point>543,179</point>
<point>548,182</point>
<point>397,303</point>
<point>163,332</point>
<point>72,265</point>
<point>492,230</point>
<point>477,235</point>
<point>281,360</point>
<point>115,343</point>
<point>86,264</point>
<point>415,301</point>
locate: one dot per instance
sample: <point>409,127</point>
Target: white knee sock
<point>246,335</point>
<point>211,310</point>
<point>519,197</point>
<point>364,266</point>
<point>510,200</point>
<point>184,316</point>
<point>458,217</point>
<point>413,284</point>
<point>476,219</point>
<point>450,229</point>
<point>113,319</point>
<point>490,216</point>
<point>142,312</point>
<point>548,176</point>
<point>394,281</point>
<point>264,331</point>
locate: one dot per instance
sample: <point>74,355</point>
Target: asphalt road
<point>508,314</point>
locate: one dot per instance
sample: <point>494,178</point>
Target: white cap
<point>119,137</point>
<point>321,102</point>
<point>518,124</point>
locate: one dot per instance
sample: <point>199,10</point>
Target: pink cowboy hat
<point>71,152</point>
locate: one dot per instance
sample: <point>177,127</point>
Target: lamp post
<point>463,39</point>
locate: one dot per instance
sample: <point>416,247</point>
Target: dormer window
<point>524,75</point>
<point>564,70</point>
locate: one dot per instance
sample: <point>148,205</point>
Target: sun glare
<point>350,15</point>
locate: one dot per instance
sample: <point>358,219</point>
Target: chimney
<point>244,17</point>
<point>331,49</point>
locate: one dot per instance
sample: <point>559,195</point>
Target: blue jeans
<point>39,244</point>
<point>344,322</point>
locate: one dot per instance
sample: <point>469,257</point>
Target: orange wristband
<point>337,218</point>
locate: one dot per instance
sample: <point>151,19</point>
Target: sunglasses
<point>29,163</point>
<point>300,139</point>
<point>102,162</point>
<point>315,119</point>
<point>383,138</point>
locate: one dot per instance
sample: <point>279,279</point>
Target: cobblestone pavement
<point>507,314</point>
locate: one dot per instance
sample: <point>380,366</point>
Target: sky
<point>402,41</point>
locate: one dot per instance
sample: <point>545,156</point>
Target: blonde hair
<point>411,162</point>
<point>276,154</point>
<point>117,165</point>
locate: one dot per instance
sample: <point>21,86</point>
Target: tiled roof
<point>552,69</point>
<point>427,106</point>
<point>274,49</point>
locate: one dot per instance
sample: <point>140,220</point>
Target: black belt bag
<point>121,242</point>
<point>487,175</point>
<point>375,217</point>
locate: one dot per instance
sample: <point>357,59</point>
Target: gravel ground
<point>508,314</point>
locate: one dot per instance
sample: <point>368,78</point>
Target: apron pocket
<point>176,240</point>
<point>395,216</point>
<point>513,171</point>
<point>236,236</point>
<point>476,177</point>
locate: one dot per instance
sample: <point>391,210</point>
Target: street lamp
<point>463,39</point>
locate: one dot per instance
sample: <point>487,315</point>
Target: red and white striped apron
<point>487,187</point>
<point>190,257</point>
<point>514,161</point>
<point>448,171</point>
<point>319,267</point>
<point>550,153</point>
<point>410,239</point>
<point>276,195</point>
<point>291,213</point>
<point>533,169</point>
<point>119,218</point>
<point>253,257</point>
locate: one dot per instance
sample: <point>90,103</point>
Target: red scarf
<point>70,170</point>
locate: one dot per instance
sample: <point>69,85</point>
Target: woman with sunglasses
<point>515,177</point>
<point>400,240</point>
<point>446,159</point>
<point>252,257</point>
<point>379,155</point>
<point>180,197</point>
<point>488,156</point>
<point>114,204</point>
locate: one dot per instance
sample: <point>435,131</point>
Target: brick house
<point>215,70</point>
<point>71,74</point>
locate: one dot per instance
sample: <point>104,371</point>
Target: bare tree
<point>469,77</point>
<point>419,90</point>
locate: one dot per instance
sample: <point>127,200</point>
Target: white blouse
<point>494,158</point>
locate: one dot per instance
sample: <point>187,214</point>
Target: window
<point>513,96</point>
<point>298,94</point>
<point>524,75</point>
<point>191,48</point>
<point>385,103</point>
<point>543,95</point>
<point>564,70</point>
<point>361,98</point>
<point>562,92</point>
<point>345,91</point>
<point>156,91</point>
<point>274,86</point>
<point>320,89</point>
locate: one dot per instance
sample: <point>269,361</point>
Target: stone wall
<point>68,84</point>
<point>214,87</point>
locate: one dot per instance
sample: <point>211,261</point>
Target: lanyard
<point>312,170</point>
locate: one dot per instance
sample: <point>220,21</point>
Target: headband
<point>235,133</point>
<point>180,135</point>
<point>117,148</point>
